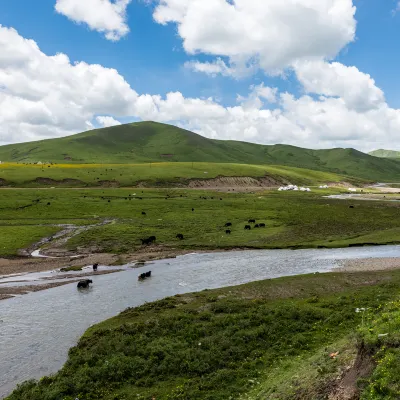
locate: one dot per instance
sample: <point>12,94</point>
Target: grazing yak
<point>262,225</point>
<point>252,221</point>
<point>247,228</point>
<point>256,226</point>
<point>84,284</point>
<point>143,213</point>
<point>95,266</point>
<point>179,236</point>
<point>228,232</point>
<point>149,240</point>
<point>228,224</point>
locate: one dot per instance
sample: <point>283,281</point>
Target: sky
<point>311,73</point>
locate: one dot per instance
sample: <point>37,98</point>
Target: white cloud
<point>105,16</point>
<point>258,95</point>
<point>214,68</point>
<point>107,121</point>
<point>272,34</point>
<point>219,67</point>
<point>45,96</point>
<point>358,90</point>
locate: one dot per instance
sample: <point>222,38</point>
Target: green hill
<point>154,142</point>
<point>385,153</point>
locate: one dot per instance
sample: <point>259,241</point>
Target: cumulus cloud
<point>107,121</point>
<point>44,96</point>
<point>105,16</point>
<point>272,34</point>
<point>357,89</point>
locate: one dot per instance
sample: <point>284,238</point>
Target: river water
<point>37,329</point>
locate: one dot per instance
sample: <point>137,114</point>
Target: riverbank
<point>369,264</point>
<point>23,265</point>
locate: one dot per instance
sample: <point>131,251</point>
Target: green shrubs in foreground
<point>219,344</point>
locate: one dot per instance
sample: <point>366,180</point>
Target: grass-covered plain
<point>264,340</point>
<point>292,219</point>
<point>154,174</point>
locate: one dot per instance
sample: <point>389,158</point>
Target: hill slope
<point>385,153</point>
<point>154,142</point>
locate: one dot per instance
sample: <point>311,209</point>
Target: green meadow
<point>292,219</point>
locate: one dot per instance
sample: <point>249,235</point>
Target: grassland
<point>385,153</point>
<point>264,340</point>
<point>293,220</point>
<point>155,174</point>
<point>149,142</point>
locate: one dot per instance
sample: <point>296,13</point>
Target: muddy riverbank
<point>11,288</point>
<point>152,253</point>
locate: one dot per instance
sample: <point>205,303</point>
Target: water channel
<point>37,329</point>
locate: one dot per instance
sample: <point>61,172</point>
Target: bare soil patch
<point>54,182</point>
<point>240,184</point>
<point>109,184</point>
<point>369,264</point>
<point>7,292</point>
<point>24,265</point>
<point>346,388</point>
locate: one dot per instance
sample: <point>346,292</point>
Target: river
<point>37,329</point>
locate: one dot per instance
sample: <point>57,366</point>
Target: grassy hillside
<point>165,174</point>
<point>264,340</point>
<point>385,153</point>
<point>153,142</point>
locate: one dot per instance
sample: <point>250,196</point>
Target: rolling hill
<point>385,153</point>
<point>154,142</point>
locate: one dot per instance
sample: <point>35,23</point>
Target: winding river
<point>37,329</point>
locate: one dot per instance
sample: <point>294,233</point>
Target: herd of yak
<point>85,284</point>
<point>150,240</point>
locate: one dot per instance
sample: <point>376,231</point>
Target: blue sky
<point>151,59</point>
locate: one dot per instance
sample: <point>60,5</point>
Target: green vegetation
<point>13,238</point>
<point>156,175</point>
<point>269,339</point>
<point>71,269</point>
<point>293,220</point>
<point>385,153</point>
<point>146,142</point>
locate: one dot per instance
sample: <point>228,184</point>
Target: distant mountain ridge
<point>154,142</point>
<point>385,153</point>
